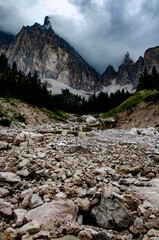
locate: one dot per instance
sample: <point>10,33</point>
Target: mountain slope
<point>140,110</point>
<point>14,111</point>
<point>38,49</point>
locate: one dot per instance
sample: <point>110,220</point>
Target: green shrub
<point>1,114</point>
<point>5,122</point>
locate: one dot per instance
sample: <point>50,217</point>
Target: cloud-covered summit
<point>102,31</point>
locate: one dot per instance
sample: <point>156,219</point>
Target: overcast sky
<point>102,31</point>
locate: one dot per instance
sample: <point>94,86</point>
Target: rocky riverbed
<point>73,181</point>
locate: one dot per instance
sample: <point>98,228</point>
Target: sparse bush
<point>20,118</point>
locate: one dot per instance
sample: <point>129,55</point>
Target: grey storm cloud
<point>102,31</point>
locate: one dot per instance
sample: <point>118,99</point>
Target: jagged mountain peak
<point>127,59</point>
<point>47,23</point>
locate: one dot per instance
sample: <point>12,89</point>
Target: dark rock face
<point>128,72</point>
<point>5,40</point>
<point>151,58</point>
<point>108,76</point>
<point>100,236</point>
<point>38,49</point>
<point>111,214</point>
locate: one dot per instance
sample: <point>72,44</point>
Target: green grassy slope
<point>132,101</point>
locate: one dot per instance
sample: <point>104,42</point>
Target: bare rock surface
<point>111,214</point>
<point>103,184</point>
<point>60,210</point>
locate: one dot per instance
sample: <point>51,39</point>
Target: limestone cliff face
<point>128,72</point>
<point>151,58</point>
<point>38,49</point>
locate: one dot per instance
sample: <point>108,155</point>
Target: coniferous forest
<point>14,84</point>
<point>148,81</point>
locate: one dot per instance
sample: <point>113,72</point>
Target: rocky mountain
<point>38,49</point>
<point>108,75</point>
<point>128,73</point>
<point>151,58</point>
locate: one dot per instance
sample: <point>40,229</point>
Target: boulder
<point>128,169</point>
<point>36,200</point>
<point>145,194</point>
<point>26,136</point>
<point>87,234</point>
<point>59,210</point>
<point>19,215</point>
<point>42,235</point>
<point>91,120</point>
<point>67,237</point>
<point>3,192</point>
<point>5,207</point>
<point>84,203</point>
<point>111,214</point>
<point>9,177</point>
<point>4,146</point>
<point>31,227</point>
<point>9,234</point>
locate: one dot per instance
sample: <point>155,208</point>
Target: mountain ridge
<point>38,49</point>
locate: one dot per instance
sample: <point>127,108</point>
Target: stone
<point>153,233</point>
<point>27,237</point>
<point>72,228</point>
<point>24,163</point>
<point>9,177</point>
<point>23,173</point>
<point>91,120</point>
<point>31,227</point>
<point>19,215</point>
<point>26,193</point>
<point>4,146</point>
<point>25,136</point>
<point>138,223</point>
<point>9,234</point>
<point>3,192</point>
<point>81,191</point>
<point>59,210</point>
<point>111,214</point>
<point>148,194</point>
<point>67,237</point>
<point>36,200</point>
<point>129,169</point>
<point>134,230</point>
<point>42,235</point>
<point>87,234</point>
<point>5,207</point>
<point>100,236</point>
<point>61,195</point>
<point>84,203</point>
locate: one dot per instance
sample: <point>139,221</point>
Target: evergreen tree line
<point>15,84</point>
<point>148,81</point>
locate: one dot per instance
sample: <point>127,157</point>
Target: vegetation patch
<point>132,101</point>
<point>19,118</point>
<point>5,122</point>
<point>58,115</point>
